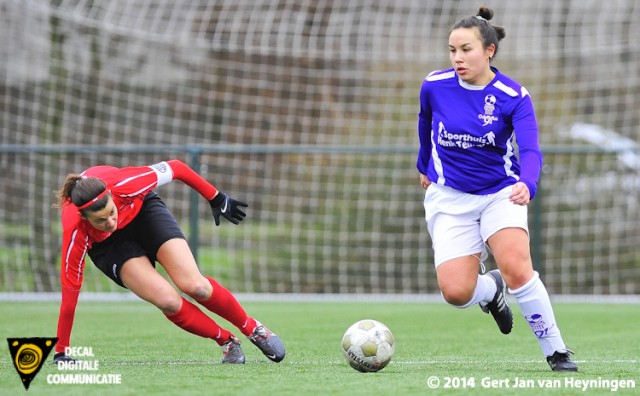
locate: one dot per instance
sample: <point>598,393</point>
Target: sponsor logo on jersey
<point>464,140</point>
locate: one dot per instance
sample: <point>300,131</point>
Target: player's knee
<point>517,280</point>
<point>169,304</point>
<point>516,273</point>
<point>199,290</point>
<point>456,296</point>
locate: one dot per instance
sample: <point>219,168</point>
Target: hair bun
<point>485,13</point>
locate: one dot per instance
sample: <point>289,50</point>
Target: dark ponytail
<point>80,190</point>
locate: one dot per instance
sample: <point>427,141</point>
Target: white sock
<point>535,305</point>
<point>483,293</point>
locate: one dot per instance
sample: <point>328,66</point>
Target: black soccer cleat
<point>269,343</point>
<point>498,306</point>
<point>561,361</point>
<point>61,357</point>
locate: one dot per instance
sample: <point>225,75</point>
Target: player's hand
<point>520,194</point>
<point>227,207</point>
<point>61,357</point>
<point>424,181</point>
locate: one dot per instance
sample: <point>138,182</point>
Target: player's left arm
<point>136,180</point>
<point>525,126</point>
<point>221,204</point>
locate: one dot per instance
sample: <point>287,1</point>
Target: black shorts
<point>152,227</point>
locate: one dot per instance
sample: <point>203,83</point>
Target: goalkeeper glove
<point>227,207</point>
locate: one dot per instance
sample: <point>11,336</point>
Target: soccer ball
<point>368,345</point>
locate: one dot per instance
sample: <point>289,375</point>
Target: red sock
<point>224,304</point>
<point>193,320</point>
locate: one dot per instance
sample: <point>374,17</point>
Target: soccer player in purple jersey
<point>477,190</point>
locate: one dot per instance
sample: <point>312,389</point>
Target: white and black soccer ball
<point>368,345</point>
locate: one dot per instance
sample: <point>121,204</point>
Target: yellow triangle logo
<point>28,356</point>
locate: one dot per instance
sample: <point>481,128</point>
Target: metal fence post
<point>536,230</point>
<point>194,199</point>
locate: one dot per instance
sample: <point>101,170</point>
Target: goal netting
<point>307,111</point>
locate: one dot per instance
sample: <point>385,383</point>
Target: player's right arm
<point>75,243</point>
<point>424,132</point>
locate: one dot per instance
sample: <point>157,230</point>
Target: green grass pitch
<point>463,349</point>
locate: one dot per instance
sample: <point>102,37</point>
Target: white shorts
<point>460,223</point>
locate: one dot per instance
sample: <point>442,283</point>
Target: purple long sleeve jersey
<point>467,134</point>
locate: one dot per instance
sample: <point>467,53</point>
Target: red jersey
<point>128,187</point>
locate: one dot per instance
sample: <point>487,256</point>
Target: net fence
<point>307,111</point>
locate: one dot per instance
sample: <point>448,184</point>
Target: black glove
<point>227,207</point>
<point>61,357</point>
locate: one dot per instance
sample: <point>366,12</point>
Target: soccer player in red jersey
<point>113,215</point>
